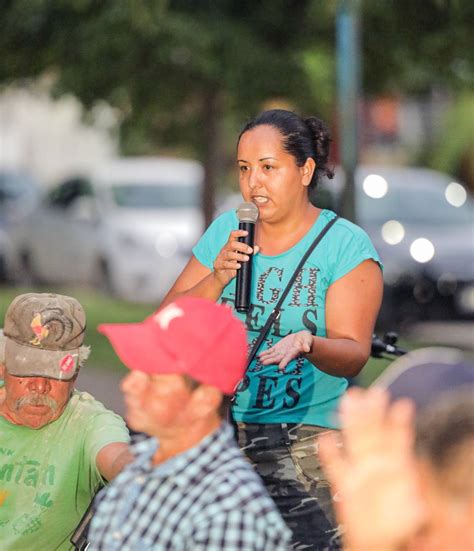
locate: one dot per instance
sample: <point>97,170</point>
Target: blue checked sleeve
<point>243,530</point>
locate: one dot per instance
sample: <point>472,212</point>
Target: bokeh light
<point>455,194</point>
<point>375,186</point>
<point>393,232</point>
<point>166,244</point>
<point>422,250</point>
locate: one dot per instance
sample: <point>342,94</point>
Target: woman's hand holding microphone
<point>230,257</point>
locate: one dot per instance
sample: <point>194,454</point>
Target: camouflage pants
<point>286,458</point>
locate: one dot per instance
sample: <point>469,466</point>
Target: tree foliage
<point>410,46</point>
<point>180,72</point>
<point>172,68</point>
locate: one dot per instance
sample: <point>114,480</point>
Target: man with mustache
<point>57,445</point>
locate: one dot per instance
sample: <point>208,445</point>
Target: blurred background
<point>118,128</point>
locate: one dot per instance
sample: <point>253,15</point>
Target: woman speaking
<point>293,386</point>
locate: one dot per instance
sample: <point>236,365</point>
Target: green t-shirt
<point>302,393</point>
<point>49,476</point>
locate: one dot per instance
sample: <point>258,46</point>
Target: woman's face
<point>269,176</point>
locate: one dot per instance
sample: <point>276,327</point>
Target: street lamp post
<point>348,86</point>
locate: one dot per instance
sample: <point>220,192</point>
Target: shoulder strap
<point>275,314</point>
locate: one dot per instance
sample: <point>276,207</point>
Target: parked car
<point>19,194</point>
<point>422,223</point>
<point>128,228</point>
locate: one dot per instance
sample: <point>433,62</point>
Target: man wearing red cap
<point>189,487</point>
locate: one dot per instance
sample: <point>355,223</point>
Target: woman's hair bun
<point>322,143</point>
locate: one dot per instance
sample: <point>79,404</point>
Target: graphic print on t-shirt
<point>302,393</point>
<point>270,387</point>
<point>33,474</point>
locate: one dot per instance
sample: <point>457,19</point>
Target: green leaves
<point>158,61</point>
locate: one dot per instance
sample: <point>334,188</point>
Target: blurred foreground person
<point>57,445</point>
<point>404,474</point>
<point>189,487</point>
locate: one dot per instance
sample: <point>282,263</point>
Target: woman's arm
<point>195,280</point>
<point>199,281</point>
<point>352,305</point>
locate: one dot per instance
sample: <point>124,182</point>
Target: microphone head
<point>247,212</point>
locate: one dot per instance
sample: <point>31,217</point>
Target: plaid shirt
<point>207,498</point>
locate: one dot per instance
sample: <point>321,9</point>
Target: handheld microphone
<point>247,214</point>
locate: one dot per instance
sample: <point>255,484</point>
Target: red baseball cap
<point>191,336</point>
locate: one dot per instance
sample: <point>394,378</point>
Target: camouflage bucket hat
<point>44,335</point>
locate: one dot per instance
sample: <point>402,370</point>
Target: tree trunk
<point>212,114</point>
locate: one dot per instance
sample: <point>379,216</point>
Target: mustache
<point>36,401</point>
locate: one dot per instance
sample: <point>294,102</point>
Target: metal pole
<point>348,85</point>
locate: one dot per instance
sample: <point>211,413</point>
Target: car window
<point>147,196</point>
<point>19,194</point>
<point>14,186</point>
<point>66,193</point>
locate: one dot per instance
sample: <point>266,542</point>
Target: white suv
<point>128,228</point>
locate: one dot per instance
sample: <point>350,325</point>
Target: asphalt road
<point>455,333</point>
<point>103,385</point>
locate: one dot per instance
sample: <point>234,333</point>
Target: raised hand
<point>372,471</point>
<point>287,349</point>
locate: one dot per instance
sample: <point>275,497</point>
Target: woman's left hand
<point>287,349</point>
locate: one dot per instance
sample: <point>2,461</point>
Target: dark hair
<point>445,436</point>
<point>223,409</point>
<point>302,138</point>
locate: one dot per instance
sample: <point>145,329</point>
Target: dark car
<point>19,194</point>
<point>422,224</point>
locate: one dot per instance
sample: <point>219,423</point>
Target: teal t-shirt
<point>49,476</point>
<point>302,393</point>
